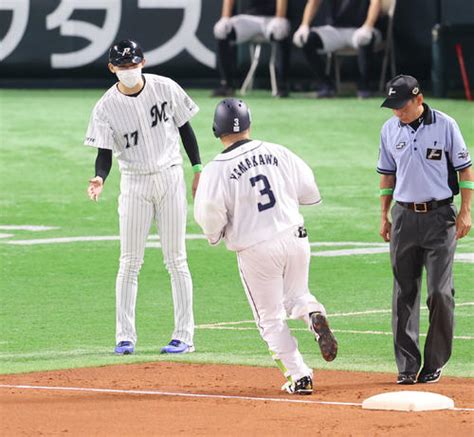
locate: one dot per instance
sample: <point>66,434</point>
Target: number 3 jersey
<point>142,129</point>
<point>252,191</point>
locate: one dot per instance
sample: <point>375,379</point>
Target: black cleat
<point>429,376</point>
<point>406,378</point>
<point>304,386</point>
<point>325,338</point>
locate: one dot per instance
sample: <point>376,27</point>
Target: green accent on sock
<point>280,365</point>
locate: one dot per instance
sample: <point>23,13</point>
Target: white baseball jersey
<point>249,195</point>
<point>252,191</point>
<point>142,131</point>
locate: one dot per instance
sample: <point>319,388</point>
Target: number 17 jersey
<point>252,191</point>
<point>142,129</point>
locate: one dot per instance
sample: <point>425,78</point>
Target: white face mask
<point>130,77</point>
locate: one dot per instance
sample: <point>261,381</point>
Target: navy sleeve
<point>190,143</point>
<point>103,163</point>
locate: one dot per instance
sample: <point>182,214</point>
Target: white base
<point>408,401</point>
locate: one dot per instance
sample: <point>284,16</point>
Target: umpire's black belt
<point>425,206</point>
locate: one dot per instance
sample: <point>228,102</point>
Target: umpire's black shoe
<point>406,378</point>
<point>429,376</point>
<point>325,338</point>
<point>223,91</point>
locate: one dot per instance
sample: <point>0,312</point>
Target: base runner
<point>249,196</point>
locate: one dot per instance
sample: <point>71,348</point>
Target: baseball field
<point>59,256</point>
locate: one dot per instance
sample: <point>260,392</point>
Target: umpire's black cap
<point>400,90</point>
<point>125,52</point>
<point>231,116</point>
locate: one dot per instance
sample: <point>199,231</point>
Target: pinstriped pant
<point>160,197</point>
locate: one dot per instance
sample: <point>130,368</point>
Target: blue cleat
<point>124,348</point>
<point>177,347</point>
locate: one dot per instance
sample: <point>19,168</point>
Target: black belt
<point>425,206</point>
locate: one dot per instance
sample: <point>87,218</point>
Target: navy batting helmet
<point>125,52</point>
<point>231,116</point>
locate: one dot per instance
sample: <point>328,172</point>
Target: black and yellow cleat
<point>304,386</point>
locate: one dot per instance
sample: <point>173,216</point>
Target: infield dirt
<point>79,413</point>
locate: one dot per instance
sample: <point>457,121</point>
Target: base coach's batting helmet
<point>125,52</point>
<point>231,116</point>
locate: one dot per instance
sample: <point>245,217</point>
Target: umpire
<point>421,152</point>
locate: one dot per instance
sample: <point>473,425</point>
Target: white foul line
<point>176,394</point>
<point>190,395</point>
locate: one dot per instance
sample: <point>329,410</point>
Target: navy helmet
<point>231,116</point>
<point>125,52</point>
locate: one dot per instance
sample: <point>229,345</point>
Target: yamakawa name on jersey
<point>253,161</point>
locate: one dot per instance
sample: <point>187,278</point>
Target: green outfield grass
<point>58,300</point>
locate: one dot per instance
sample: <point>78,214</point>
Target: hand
<point>300,38</point>
<point>277,28</point>
<point>362,36</point>
<point>463,224</point>
<point>195,183</point>
<point>222,28</point>
<point>95,188</point>
<point>385,229</point>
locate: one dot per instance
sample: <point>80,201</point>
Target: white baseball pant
<point>275,278</point>
<point>159,197</point>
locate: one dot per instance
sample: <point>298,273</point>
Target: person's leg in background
<point>365,59</point>
<point>242,28</point>
<point>282,66</point>
<point>226,65</point>
<point>317,64</point>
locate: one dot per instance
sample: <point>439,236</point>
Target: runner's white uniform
<point>249,196</point>
<point>142,131</point>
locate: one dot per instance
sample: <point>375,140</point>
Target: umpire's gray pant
<point>417,240</point>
